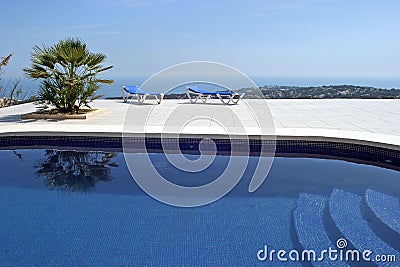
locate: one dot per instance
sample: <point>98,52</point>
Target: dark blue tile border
<point>379,156</point>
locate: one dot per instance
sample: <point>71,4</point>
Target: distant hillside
<point>332,91</point>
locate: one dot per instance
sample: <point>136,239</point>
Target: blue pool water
<point>69,208</point>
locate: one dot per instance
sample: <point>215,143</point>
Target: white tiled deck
<point>352,120</point>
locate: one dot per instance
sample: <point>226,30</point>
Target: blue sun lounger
<point>195,93</point>
<point>140,94</point>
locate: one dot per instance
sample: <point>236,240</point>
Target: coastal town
<point>315,92</point>
<point>331,91</point>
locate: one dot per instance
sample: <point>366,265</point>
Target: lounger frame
<point>194,96</point>
<point>141,96</point>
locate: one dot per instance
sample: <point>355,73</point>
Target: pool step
<point>346,213</point>
<point>385,207</point>
<point>308,220</point>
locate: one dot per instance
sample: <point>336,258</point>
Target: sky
<point>346,39</point>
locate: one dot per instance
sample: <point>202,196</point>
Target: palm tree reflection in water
<point>75,171</point>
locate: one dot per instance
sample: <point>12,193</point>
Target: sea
<point>30,87</point>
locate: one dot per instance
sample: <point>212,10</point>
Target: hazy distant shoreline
<point>302,82</point>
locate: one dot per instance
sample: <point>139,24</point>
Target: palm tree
<point>68,73</point>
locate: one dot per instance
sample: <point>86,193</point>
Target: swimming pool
<point>61,206</point>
